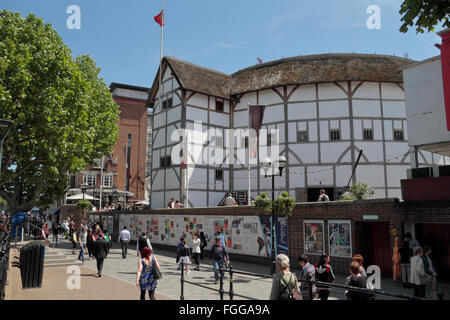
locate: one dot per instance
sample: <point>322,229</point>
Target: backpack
<point>293,295</point>
<point>324,277</point>
<point>107,236</point>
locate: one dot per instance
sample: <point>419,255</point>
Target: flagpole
<point>101,184</point>
<point>160,64</point>
<point>248,146</point>
<point>126,177</point>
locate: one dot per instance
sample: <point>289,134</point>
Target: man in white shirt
<point>323,196</point>
<point>196,250</point>
<point>229,201</point>
<point>124,238</point>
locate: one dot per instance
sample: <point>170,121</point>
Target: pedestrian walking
<point>418,275</point>
<point>179,246</point>
<point>83,242</point>
<point>222,238</point>
<point>107,239</point>
<point>405,262</point>
<point>55,231</point>
<point>284,283</point>
<point>308,273</point>
<point>90,243</point>
<point>324,273</point>
<point>124,238</point>
<point>184,256</point>
<point>145,275</point>
<point>74,239</point>
<point>430,270</point>
<point>100,252</point>
<point>356,279</point>
<point>196,242</point>
<point>218,257</point>
<point>143,242</point>
<point>45,230</point>
<point>203,244</point>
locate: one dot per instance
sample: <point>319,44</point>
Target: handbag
<point>156,273</point>
<point>293,295</point>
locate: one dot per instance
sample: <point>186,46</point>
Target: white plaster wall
<point>200,100</point>
<point>395,174</point>
<point>267,97</point>
<point>366,90</point>
<point>333,109</point>
<point>240,119</point>
<point>157,200</point>
<point>273,114</point>
<point>373,151</point>
<point>307,152</point>
<point>303,93</point>
<point>158,182</point>
<point>331,91</point>
<point>248,98</point>
<point>172,181</point>
<point>317,179</point>
<point>373,175</point>
<point>195,114</point>
<point>394,109</point>
<point>174,114</point>
<point>219,119</point>
<point>215,198</point>
<point>343,174</point>
<point>299,111</point>
<point>330,152</point>
<point>324,131</point>
<point>159,120</point>
<point>395,149</point>
<point>392,91</point>
<point>160,138</point>
<point>366,108</point>
<point>296,177</point>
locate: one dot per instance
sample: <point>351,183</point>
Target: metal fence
<point>373,293</point>
<point>4,260</point>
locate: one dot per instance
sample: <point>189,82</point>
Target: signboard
<point>340,238</point>
<point>313,236</point>
<point>370,217</point>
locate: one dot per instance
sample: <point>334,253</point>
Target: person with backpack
<point>323,196</point>
<point>143,242</point>
<point>184,256</point>
<point>284,282</point>
<point>218,258</point>
<point>324,273</point>
<point>203,244</point>
<point>356,279</point>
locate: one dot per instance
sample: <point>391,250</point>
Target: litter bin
<point>32,264</point>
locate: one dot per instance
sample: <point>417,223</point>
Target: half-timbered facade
<point>326,109</point>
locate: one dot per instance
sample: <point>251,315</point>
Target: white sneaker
<point>188,271</point>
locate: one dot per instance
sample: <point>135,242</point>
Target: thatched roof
<point>290,71</point>
<point>319,68</point>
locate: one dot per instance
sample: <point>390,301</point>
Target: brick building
<point>123,175</point>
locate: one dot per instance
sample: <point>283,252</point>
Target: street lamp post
<point>84,186</point>
<point>266,165</point>
<point>4,124</point>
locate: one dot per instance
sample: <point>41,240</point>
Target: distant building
<point>327,108</point>
<point>124,170</point>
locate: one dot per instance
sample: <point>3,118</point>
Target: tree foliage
<point>424,14</point>
<point>284,204</point>
<point>263,202</point>
<point>359,191</point>
<point>63,113</point>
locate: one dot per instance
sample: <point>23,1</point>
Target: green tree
<point>83,206</point>
<point>282,205</point>
<point>359,191</point>
<point>424,14</point>
<point>63,113</point>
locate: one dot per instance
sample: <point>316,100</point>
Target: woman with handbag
<point>148,273</point>
<point>284,283</point>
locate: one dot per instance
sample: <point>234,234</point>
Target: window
<point>244,142</point>
<point>219,106</point>
<point>271,139</point>
<point>335,135</point>
<point>302,136</point>
<point>90,179</point>
<point>368,134</point>
<point>398,135</point>
<point>219,175</point>
<point>108,180</point>
<point>167,103</point>
<point>165,162</point>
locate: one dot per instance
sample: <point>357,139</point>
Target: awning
<point>53,211</point>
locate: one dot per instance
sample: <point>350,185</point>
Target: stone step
<point>55,257</point>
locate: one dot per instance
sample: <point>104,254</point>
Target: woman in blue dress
<point>144,277</point>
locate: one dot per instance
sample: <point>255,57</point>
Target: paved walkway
<point>119,279</point>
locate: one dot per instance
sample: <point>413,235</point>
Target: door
<point>437,236</point>
<point>376,246</point>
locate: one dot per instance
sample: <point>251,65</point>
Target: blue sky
<point>227,36</point>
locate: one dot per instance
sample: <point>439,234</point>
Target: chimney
<point>445,62</point>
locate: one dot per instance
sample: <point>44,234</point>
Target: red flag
<point>259,60</point>
<point>160,18</point>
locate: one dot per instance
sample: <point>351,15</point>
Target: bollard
<point>21,235</point>
<point>310,293</point>
<point>17,231</point>
<point>221,281</point>
<point>231,283</point>
<point>182,281</point>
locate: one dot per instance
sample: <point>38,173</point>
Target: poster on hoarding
<point>249,235</point>
<point>313,236</point>
<point>340,238</point>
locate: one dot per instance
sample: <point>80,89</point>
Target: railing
<point>231,293</point>
<point>4,261</point>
